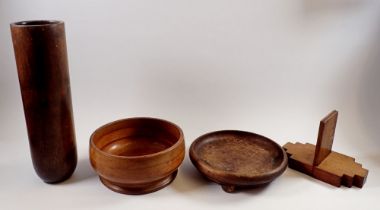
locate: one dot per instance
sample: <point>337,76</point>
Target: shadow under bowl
<point>238,159</point>
<point>137,155</point>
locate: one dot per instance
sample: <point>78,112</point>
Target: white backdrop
<point>271,67</point>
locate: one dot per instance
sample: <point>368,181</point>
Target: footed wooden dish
<point>137,155</point>
<point>238,159</point>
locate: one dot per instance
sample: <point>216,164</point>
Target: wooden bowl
<point>241,159</point>
<point>137,155</point>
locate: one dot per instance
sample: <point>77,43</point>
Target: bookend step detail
<point>321,162</point>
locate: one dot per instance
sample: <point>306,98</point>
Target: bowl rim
<point>179,141</point>
<point>211,172</point>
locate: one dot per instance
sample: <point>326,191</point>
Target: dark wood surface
<point>324,164</point>
<point>42,66</point>
<point>137,155</point>
<point>238,159</point>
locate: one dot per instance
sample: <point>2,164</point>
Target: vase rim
<point>36,23</point>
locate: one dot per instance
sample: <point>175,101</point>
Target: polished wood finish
<point>324,164</point>
<point>325,137</point>
<point>137,155</point>
<point>41,58</point>
<point>238,159</point>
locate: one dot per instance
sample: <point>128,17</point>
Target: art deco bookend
<point>321,162</point>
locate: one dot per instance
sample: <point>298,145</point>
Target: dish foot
<point>229,188</point>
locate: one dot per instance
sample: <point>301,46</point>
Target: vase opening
<point>37,23</point>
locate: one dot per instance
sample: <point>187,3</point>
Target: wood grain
<point>238,159</point>
<point>336,169</point>
<point>137,155</point>
<point>325,137</point>
<point>41,58</point>
<point>321,162</point>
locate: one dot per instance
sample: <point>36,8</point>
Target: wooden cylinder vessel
<point>41,58</point>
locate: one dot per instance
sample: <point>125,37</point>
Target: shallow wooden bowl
<point>137,155</point>
<point>238,159</point>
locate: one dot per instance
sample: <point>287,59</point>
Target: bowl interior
<point>239,153</point>
<point>136,137</point>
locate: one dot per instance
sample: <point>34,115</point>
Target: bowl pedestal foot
<point>141,188</point>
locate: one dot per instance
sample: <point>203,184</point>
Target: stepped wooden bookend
<point>321,162</point>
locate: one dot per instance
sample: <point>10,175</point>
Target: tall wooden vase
<point>41,58</point>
